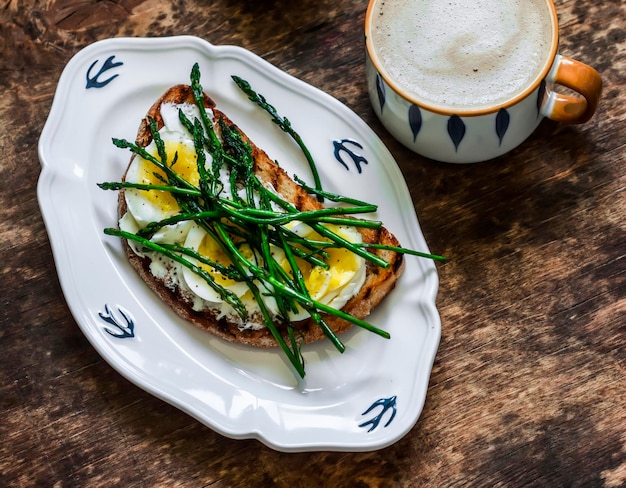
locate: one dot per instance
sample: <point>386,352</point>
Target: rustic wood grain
<point>528,387</point>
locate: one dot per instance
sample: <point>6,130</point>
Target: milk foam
<point>462,54</point>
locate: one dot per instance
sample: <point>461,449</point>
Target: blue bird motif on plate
<point>340,146</point>
<point>386,404</point>
<point>123,331</point>
<point>93,81</point>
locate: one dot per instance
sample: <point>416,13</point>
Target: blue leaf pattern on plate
<point>456,130</point>
<point>502,123</point>
<point>415,120</point>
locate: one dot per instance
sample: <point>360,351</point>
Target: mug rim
<point>390,81</point>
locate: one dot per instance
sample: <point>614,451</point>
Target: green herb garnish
<point>256,218</point>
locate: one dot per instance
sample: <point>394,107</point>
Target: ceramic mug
<point>464,82</point>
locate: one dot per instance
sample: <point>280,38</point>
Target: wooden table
<point>528,386</point>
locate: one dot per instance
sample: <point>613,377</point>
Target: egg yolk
<point>343,264</point>
<point>186,166</point>
<point>213,251</point>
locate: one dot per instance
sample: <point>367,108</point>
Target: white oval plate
<point>364,399</point>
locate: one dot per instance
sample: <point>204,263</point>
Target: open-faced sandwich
<point>233,244</point>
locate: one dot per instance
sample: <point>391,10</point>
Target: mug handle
<point>582,79</point>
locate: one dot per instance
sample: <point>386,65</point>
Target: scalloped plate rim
<point>51,178</point>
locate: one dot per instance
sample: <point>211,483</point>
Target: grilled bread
<point>378,282</point>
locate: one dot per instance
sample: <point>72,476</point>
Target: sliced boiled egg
<point>153,205</point>
<point>339,282</point>
<point>204,244</point>
<point>333,285</point>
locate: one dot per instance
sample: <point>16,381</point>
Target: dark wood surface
<point>528,386</point>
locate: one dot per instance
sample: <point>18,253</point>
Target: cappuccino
<point>462,55</point>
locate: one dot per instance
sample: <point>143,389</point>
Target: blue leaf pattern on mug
<point>380,89</point>
<point>456,130</point>
<point>415,120</point>
<point>541,93</point>
<point>502,123</point>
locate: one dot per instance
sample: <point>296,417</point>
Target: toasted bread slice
<point>378,282</point>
